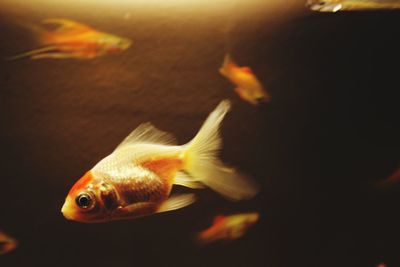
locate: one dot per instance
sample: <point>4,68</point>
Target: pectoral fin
<point>135,210</point>
<point>176,202</point>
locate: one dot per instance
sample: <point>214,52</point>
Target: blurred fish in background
<point>227,228</point>
<point>71,39</point>
<point>381,265</point>
<point>249,88</point>
<point>7,243</point>
<point>137,178</point>
<point>391,179</point>
<point>347,5</point>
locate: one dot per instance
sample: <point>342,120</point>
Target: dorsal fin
<point>146,133</point>
<point>247,70</point>
<point>66,25</point>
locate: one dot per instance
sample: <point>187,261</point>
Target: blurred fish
<point>391,179</point>
<point>7,243</point>
<point>248,87</point>
<point>70,39</point>
<point>345,5</point>
<point>136,179</point>
<point>381,265</point>
<point>228,227</point>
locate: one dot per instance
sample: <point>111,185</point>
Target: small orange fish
<point>381,265</point>
<point>136,179</point>
<point>228,227</point>
<point>249,88</point>
<point>72,39</point>
<point>7,243</point>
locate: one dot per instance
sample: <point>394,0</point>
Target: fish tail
<point>38,32</point>
<point>202,163</point>
<point>32,53</point>
<point>226,64</point>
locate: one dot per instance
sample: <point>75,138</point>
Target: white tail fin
<point>202,163</point>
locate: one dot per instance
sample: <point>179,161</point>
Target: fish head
<point>324,5</point>
<point>113,44</point>
<point>90,200</point>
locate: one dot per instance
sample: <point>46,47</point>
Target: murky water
<point>331,130</point>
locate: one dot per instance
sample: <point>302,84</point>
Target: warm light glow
<point>148,5</point>
<point>143,3</point>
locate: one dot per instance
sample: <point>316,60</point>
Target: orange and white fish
<point>228,227</point>
<point>71,39</point>
<point>7,243</point>
<point>136,179</point>
<point>249,88</point>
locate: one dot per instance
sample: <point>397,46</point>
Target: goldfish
<point>136,179</point>
<point>249,88</point>
<point>228,227</point>
<point>381,265</point>
<point>70,39</point>
<point>7,243</point>
<point>346,5</point>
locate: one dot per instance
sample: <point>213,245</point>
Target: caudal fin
<point>202,163</point>
<point>33,53</point>
<point>226,65</point>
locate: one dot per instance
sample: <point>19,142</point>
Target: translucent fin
<point>202,163</point>
<point>36,30</point>
<point>52,55</point>
<point>184,179</point>
<point>66,25</point>
<point>228,62</point>
<point>33,53</point>
<point>146,133</point>
<point>176,202</point>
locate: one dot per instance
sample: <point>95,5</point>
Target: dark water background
<point>331,130</point>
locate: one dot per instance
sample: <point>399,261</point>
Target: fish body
<point>228,227</point>
<point>136,179</point>
<point>72,39</point>
<point>249,88</point>
<point>348,5</point>
<point>7,243</point>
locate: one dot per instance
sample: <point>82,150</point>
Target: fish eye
<point>84,201</point>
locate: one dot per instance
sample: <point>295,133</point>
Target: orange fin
<point>66,25</point>
<point>228,63</point>
<point>219,219</point>
<point>247,70</point>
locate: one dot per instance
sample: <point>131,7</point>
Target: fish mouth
<point>67,211</point>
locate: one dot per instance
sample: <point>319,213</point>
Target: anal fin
<point>184,179</point>
<point>176,202</point>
